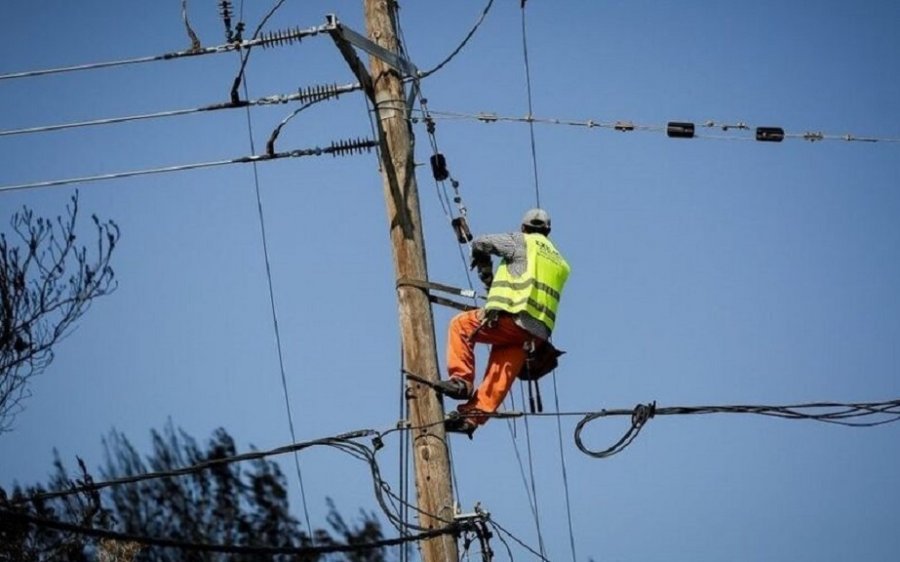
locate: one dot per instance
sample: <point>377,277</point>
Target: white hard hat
<point>537,218</point>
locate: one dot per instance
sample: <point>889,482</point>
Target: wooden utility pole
<point>432,463</point>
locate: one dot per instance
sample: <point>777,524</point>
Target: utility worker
<point>520,313</point>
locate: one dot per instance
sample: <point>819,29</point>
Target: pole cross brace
<point>344,33</point>
<point>345,39</point>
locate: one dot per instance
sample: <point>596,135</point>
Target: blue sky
<point>705,271</point>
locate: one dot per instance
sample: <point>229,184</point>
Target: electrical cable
<point>521,543</point>
<point>827,412</point>
<point>403,475</point>
<point>221,548</point>
<point>537,190</point>
<point>465,40</point>
<point>245,53</point>
<point>440,184</point>
<point>270,144</point>
<point>277,331</point>
<point>341,439</point>
<point>515,444</point>
<point>336,148</point>
<point>534,495</point>
<point>565,476</point>
<point>302,94</point>
<point>237,46</point>
<point>344,442</point>
<point>628,126</point>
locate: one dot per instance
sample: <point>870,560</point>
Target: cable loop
<point>639,416</point>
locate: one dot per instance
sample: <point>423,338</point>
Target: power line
<point>838,413</point>
<point>305,94</point>
<point>346,442</point>
<point>465,40</point>
<point>534,166</point>
<point>246,52</point>
<point>160,542</point>
<point>335,441</point>
<point>337,148</point>
<point>516,539</point>
<point>565,474</point>
<point>828,412</point>
<point>628,126</point>
<point>267,40</point>
<point>265,245</point>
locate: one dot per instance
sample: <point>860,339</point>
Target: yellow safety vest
<point>536,292</point>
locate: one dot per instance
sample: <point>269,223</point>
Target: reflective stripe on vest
<point>525,293</point>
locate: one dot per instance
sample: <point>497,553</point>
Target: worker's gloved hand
<point>486,274</point>
<point>481,263</point>
<point>479,260</point>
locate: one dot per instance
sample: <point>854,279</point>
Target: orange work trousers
<point>506,358</point>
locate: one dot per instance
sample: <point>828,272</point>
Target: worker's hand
<point>486,274</point>
<point>479,260</point>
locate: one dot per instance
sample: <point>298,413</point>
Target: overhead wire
<point>271,290</point>
<point>534,494</point>
<point>207,464</point>
<point>302,94</point>
<point>226,48</point>
<point>335,148</point>
<point>389,502</point>
<point>444,199</point>
<point>516,539</point>
<point>537,191</point>
<point>629,126</point>
<point>837,413</point>
<point>441,184</point>
<point>456,51</point>
<point>532,505</point>
<point>161,542</point>
<point>245,52</point>
<point>850,414</point>
<point>537,197</point>
<point>565,472</point>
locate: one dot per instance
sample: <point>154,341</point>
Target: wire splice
<point>769,134</point>
<point>680,130</point>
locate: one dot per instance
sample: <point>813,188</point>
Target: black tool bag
<point>542,358</point>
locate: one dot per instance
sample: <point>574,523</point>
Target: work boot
<point>457,424</point>
<point>455,388</point>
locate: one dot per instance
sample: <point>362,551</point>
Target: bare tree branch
<point>47,283</point>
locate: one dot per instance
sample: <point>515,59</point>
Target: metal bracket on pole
<point>345,39</point>
<point>336,28</point>
<point>477,515</point>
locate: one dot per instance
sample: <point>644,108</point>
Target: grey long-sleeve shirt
<point>511,247</point>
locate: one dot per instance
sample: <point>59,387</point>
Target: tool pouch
<point>542,358</point>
